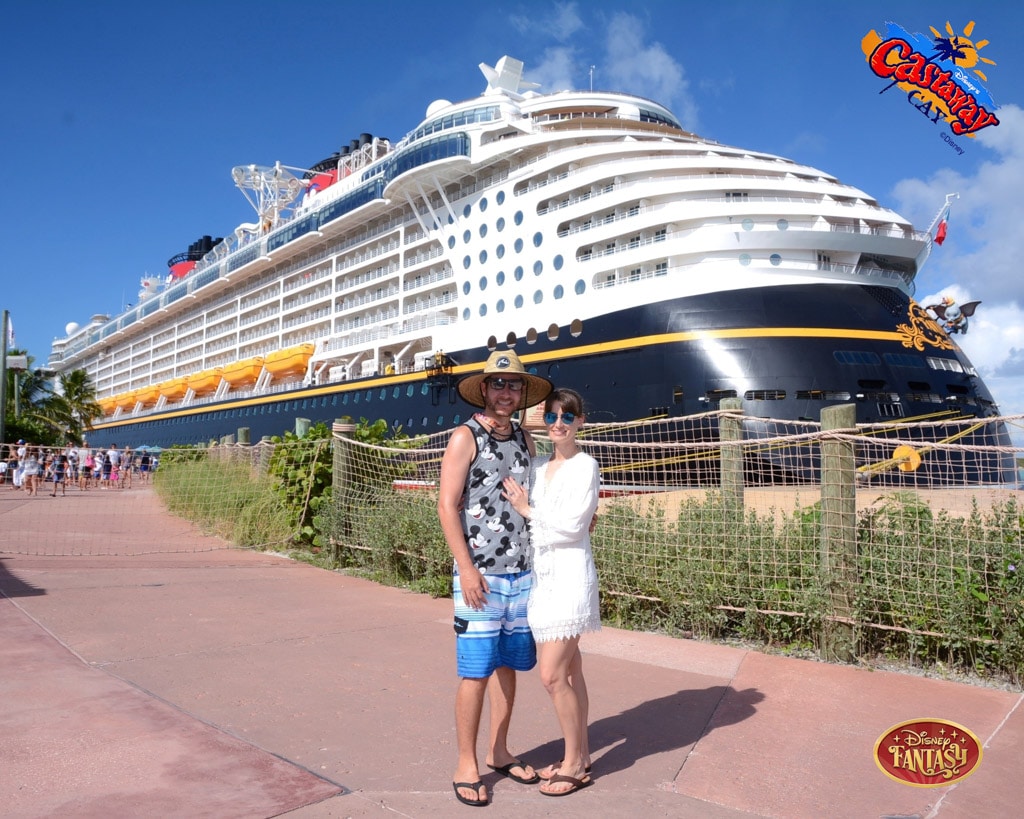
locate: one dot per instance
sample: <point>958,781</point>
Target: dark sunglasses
<point>501,383</point>
<point>551,417</point>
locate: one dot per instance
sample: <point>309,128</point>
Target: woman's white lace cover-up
<point>564,598</point>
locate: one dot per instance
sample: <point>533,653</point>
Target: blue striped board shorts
<point>497,635</point>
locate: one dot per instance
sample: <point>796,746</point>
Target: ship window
<point>424,388</point>
<point>344,399</point>
<point>947,364</point>
<point>856,357</point>
<point>576,328</point>
<point>824,261</point>
<point>661,269</point>
<point>466,236</point>
<point>519,302</point>
<point>500,278</point>
<point>483,282</point>
<point>409,422</point>
<point>500,224</point>
<point>500,251</point>
<point>538,297</point>
<point>735,196</point>
<point>518,245</point>
<point>510,340</point>
<point>483,204</point>
<point>483,231</point>
<point>531,338</point>
<point>440,420</point>
<point>466,262</point>
<point>581,287</point>
<point>483,309</point>
<point>396,392</point>
<point>538,267</point>
<point>552,332</point>
<point>887,410</point>
<point>919,386</point>
<point>822,395</point>
<point>904,360</point>
<point>764,395</point>
<point>782,224</point>
<point>424,421</point>
<point>538,239</point>
<point>748,224</point>
<point>500,306</point>
<point>483,256</point>
<point>744,259</point>
<point>334,400</point>
<point>369,394</point>
<point>519,273</point>
<point>456,419</point>
<point>467,210</point>
<point>410,390</point>
<point>500,197</point>
<point>355,398</point>
<point>383,393</point>
<point>465,314</point>
<point>775,259</point>
<point>518,218</point>
<point>466,288</point>
<point>558,261</point>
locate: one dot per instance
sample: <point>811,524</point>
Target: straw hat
<point>505,363</point>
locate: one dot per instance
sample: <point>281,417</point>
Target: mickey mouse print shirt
<point>495,532</point>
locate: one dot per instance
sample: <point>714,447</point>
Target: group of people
<point>525,586</point>
<point>28,468</point>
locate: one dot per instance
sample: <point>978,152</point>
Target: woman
<point>32,470</point>
<point>564,600</point>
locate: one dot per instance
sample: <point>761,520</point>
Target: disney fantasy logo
<point>928,753</point>
<point>935,73</point>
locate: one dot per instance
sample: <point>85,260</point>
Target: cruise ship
<point>655,271</point>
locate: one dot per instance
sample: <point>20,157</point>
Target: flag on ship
<point>940,232</point>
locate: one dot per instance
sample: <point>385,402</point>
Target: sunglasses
<point>501,383</point>
<point>551,417</point>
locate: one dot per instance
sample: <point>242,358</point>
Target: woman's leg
<point>554,661</point>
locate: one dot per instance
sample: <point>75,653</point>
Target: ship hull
<point>784,352</point>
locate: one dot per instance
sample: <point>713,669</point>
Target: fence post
<point>341,430</point>
<point>302,426</point>
<point>243,435</point>
<point>838,553</point>
<point>730,428</point>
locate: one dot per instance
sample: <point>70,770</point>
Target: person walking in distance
<point>491,586</point>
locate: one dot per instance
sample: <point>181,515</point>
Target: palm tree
<point>79,397</point>
<point>59,414</point>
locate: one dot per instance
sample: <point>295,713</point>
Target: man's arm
<point>454,471</point>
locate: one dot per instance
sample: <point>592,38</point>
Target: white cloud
<point>982,256</point>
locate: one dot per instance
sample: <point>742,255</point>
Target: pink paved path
<point>227,683</point>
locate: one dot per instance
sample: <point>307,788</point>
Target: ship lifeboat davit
<point>289,361</point>
<point>206,381</point>
<point>242,373</point>
<point>173,390</point>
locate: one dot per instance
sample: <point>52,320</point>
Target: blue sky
<point>122,121</point>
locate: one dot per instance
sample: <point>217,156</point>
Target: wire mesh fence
<point>902,539</point>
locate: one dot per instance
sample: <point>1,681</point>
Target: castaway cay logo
<point>941,75</point>
<point>928,753</point>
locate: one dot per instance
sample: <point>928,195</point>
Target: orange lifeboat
<point>173,390</point>
<point>108,405</point>
<point>125,400</point>
<point>289,361</point>
<point>206,381</point>
<point>147,396</point>
<point>241,373</point>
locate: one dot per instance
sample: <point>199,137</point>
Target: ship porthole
<point>483,256</point>
<point>559,291</point>
<point>531,336</point>
<point>467,210</point>
<point>500,278</point>
<point>483,204</point>
<point>483,282</point>
<point>492,343</point>
<point>466,236</point>
<point>500,306</point>
<point>782,224</point>
<point>518,218</point>
<point>500,224</point>
<point>466,262</point>
<point>538,297</point>
<point>744,259</point>
<point>748,224</point>
<point>483,309</point>
<point>500,251</point>
<point>576,328</point>
<point>465,288</point>
<point>519,273</point>
<point>538,268</point>
<point>483,231</point>
<point>552,332</point>
<point>538,239</point>
<point>500,198</point>
<point>519,302</point>
<point>558,262</point>
<point>451,242</point>
<point>775,259</point>
<point>581,287</point>
<point>518,246</point>
<point>465,314</point>
<point>511,340</point>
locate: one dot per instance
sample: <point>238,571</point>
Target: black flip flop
<point>475,787</point>
<point>506,770</point>
<point>577,784</point>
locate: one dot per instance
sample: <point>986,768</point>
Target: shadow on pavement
<point>13,586</point>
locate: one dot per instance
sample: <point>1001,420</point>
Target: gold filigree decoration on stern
<point>922,330</point>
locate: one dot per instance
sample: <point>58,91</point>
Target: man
<point>489,543</point>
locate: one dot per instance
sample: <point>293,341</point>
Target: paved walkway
<point>227,683</point>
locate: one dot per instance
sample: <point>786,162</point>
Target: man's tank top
<point>495,532</point>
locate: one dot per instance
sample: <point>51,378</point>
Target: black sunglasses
<point>501,383</point>
<point>551,417</point>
